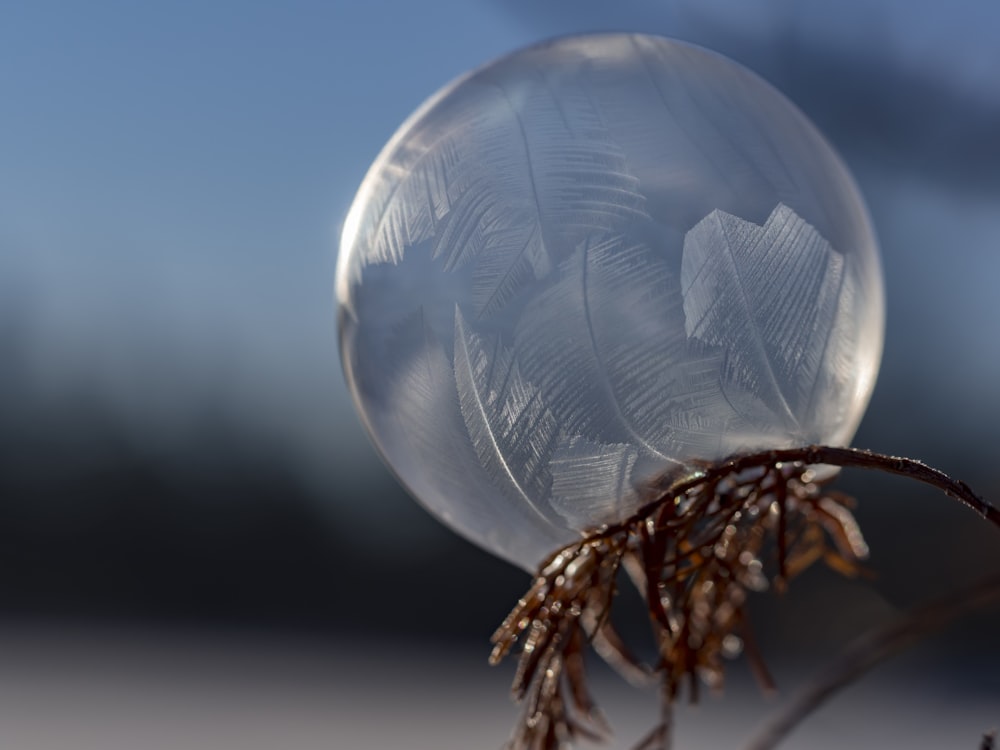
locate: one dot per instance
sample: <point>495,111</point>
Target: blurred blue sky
<point>173,177</point>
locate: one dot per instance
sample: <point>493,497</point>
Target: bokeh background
<point>198,546</point>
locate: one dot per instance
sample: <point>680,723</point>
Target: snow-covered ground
<point>115,689</point>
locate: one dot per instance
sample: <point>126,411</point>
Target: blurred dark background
<point>184,487</point>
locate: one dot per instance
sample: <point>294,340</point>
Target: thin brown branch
<point>867,651</point>
<point>694,552</point>
<point>817,455</point>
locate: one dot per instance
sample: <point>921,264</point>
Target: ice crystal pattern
<point>592,263</point>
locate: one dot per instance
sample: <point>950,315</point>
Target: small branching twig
<point>694,552</point>
<point>868,650</point>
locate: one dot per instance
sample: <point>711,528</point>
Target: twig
<point>843,458</point>
<point>694,552</point>
<point>867,651</point>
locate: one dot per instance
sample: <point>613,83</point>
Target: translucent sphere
<point>594,262</point>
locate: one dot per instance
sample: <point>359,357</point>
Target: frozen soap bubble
<point>594,262</point>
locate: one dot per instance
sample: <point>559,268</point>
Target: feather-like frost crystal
<point>592,263</point>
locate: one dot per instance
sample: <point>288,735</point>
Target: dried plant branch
<point>867,651</point>
<point>694,552</point>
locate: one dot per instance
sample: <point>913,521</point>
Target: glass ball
<point>592,263</point>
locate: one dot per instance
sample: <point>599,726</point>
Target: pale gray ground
<point>121,690</point>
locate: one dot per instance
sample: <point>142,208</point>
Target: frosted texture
<point>590,263</point>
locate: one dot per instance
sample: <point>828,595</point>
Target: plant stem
<point>843,458</point>
<point>868,650</point>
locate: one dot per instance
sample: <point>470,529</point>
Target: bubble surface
<point>593,262</point>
